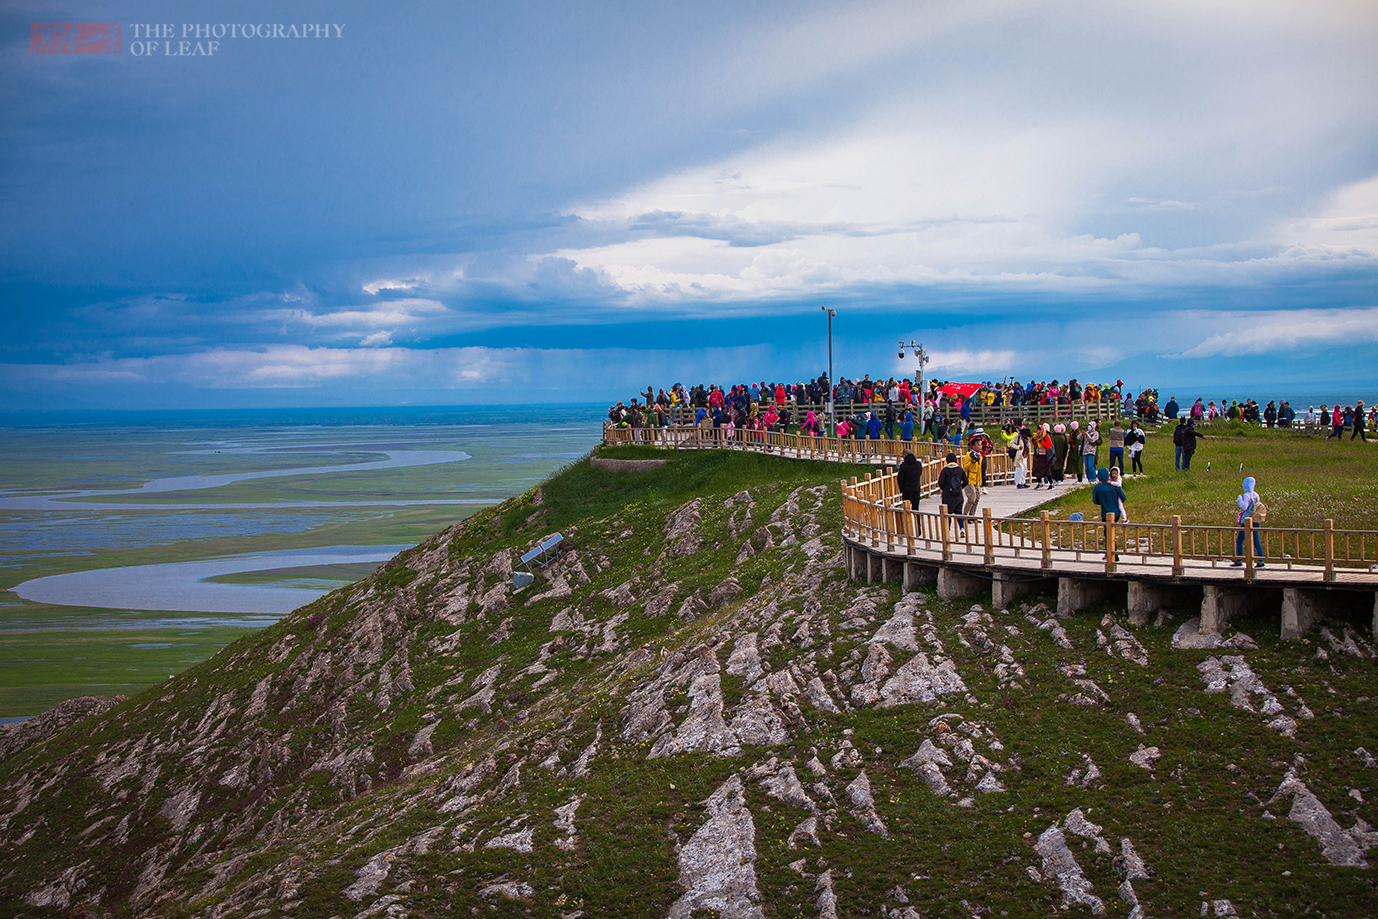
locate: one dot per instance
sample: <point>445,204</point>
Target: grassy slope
<point>1197,818</point>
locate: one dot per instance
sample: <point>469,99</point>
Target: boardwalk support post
<point>1044,539</point>
<point>988,534</point>
<point>917,575</point>
<point>1074,594</point>
<point>1300,610</point>
<point>1008,586</point>
<point>1148,597</point>
<point>954,584</point>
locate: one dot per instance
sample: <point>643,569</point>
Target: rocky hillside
<point>694,713</point>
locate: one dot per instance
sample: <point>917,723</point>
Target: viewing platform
<point>1304,574</point>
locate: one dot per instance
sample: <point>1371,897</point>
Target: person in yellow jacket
<point>971,465</point>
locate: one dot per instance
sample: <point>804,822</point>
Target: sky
<point>464,203</point>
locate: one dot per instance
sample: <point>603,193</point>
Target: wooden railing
<point>999,469</point>
<point>874,514</point>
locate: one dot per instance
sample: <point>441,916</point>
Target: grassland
<point>1303,478</point>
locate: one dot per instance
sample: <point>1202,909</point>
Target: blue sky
<point>466,203</point>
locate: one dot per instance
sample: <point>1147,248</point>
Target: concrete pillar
<point>1009,586</point>
<point>1075,594</point>
<point>891,569</point>
<point>1300,610</point>
<point>872,563</point>
<point>953,584</point>
<point>1375,614</point>
<point>1146,598</point>
<point>917,575</point>
<point>1219,605</point>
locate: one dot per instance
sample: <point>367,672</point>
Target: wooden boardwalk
<point>997,549</point>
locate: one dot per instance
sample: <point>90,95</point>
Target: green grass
<point>1301,477</point>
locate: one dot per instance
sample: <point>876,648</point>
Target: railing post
<point>1109,545</point>
<point>1047,549</point>
<point>986,534</point>
<point>1177,546</point>
<point>947,536</point>
<point>1249,549</point>
<point>1329,549</point>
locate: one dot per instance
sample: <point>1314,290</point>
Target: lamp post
<point>832,384</point>
<point>922,357</point>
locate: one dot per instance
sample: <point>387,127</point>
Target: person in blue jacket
<point>1107,496</point>
<point>907,428</point>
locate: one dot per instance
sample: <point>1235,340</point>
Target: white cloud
<point>374,287</point>
<point>948,363</point>
<point>1280,332</point>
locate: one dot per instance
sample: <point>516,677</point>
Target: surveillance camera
<point>901,354</point>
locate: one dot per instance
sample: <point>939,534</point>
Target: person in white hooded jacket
<point>1248,502</point>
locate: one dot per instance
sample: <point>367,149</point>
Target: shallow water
<point>182,586</point>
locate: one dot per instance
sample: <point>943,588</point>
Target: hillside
<point>695,713</point>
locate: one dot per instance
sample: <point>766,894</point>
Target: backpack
<point>1259,511</point>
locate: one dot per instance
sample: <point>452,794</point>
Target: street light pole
<point>922,356</point>
<point>832,384</point>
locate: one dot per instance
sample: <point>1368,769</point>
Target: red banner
<point>961,389</point>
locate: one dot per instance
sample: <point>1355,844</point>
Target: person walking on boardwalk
<point>971,467</point>
<point>1359,422</point>
<point>907,428</point>
<point>1250,506</point>
<point>952,483</point>
<point>1189,435</point>
<point>909,479</point>
<point>1019,448</point>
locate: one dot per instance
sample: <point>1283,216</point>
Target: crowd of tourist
<point>894,409</point>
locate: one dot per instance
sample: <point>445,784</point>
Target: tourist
<point>952,483</point>
<point>1109,498</point>
<point>1090,446</point>
<point>909,479</point>
<point>1115,442</point>
<point>1074,464</point>
<point>1359,422</point>
<point>1134,441</point>
<point>1117,480</point>
<point>1019,448</point>
<point>1043,458</point>
<point>1059,439</point>
<point>907,428</point>
<point>1337,424</point>
<point>1177,442</point>
<point>971,468</point>
<point>1251,506</point>
<point>1189,436</point>
<point>1172,408</point>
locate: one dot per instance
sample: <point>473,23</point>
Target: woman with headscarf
<point>1042,446</point>
<point>1337,424</point>
<point>1074,464</point>
<point>1250,506</point>
<point>1020,446</point>
<point>1059,438</point>
<point>1134,442</point>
